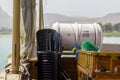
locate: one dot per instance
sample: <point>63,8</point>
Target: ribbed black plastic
<point>46,40</point>
<point>49,54</point>
<point>47,66</point>
<point>59,52</point>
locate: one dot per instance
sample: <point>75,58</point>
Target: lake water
<point>112,40</point>
<point>5,47</point>
<point>6,43</point>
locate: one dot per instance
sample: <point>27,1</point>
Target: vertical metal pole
<point>41,21</point>
<point>16,37</point>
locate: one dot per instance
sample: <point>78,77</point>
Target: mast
<point>41,21</point>
<point>16,37</point>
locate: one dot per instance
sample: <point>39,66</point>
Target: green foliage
<point>108,27</point>
<point>109,30</point>
<point>117,27</point>
<point>5,33</point>
<point>4,30</point>
<point>111,34</point>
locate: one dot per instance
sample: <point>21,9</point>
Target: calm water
<point>5,48</point>
<point>6,41</point>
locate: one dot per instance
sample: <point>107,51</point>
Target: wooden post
<point>41,21</point>
<point>16,37</point>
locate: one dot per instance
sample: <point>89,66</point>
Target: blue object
<point>76,55</point>
<point>76,47</point>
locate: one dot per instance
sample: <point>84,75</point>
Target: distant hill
<point>52,18</point>
<point>109,18</point>
<point>5,19</point>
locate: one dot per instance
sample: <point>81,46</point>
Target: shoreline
<point>112,34</point>
<point>5,33</point>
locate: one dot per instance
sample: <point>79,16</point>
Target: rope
<point>79,33</point>
<point>74,35</point>
<point>25,73</point>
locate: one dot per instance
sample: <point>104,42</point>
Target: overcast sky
<point>86,8</point>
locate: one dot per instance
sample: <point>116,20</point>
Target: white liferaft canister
<point>77,33</point>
